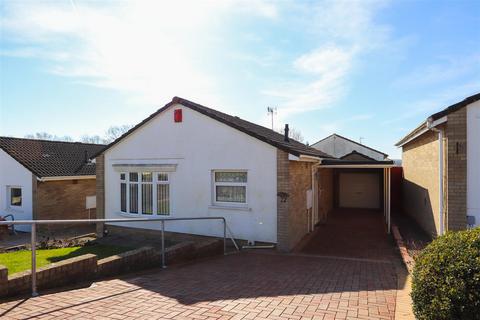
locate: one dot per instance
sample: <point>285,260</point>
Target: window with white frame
<point>14,197</point>
<point>230,187</point>
<point>145,193</point>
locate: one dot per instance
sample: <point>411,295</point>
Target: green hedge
<point>446,278</point>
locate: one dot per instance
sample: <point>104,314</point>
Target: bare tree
<point>92,139</point>
<point>48,136</point>
<point>115,132</point>
<point>294,134</point>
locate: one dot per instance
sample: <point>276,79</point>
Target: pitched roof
<point>264,134</point>
<point>51,158</point>
<point>423,127</point>
<point>352,141</point>
<point>355,155</point>
<point>454,107</point>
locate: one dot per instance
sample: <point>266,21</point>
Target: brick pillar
<point>283,187</point>
<point>100,210</point>
<point>456,172</point>
<point>3,281</point>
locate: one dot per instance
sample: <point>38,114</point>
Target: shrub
<point>446,278</point>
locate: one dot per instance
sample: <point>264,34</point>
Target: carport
<point>352,184</point>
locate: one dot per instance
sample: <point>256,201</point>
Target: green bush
<point>446,278</point>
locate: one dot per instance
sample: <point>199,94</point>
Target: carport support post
<point>388,199</point>
<point>34,260</point>
<point>385,193</point>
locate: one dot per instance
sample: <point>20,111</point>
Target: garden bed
<point>17,261</point>
<point>414,238</point>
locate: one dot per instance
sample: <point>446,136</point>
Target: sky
<point>370,70</point>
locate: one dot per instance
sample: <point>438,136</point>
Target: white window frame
<point>229,184</point>
<point>154,183</point>
<point>127,200</point>
<point>9,198</point>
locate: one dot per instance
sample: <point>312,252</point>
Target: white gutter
<point>435,123</point>
<point>62,178</point>
<point>303,158</point>
<point>432,126</point>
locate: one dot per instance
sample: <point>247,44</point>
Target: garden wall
<point>86,267</point>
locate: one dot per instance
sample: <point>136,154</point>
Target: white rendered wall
<point>473,161</point>
<point>338,147</point>
<point>14,174</point>
<point>197,146</point>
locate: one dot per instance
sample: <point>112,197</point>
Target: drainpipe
<point>431,126</point>
<point>314,195</point>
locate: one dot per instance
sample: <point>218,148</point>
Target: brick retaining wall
<point>86,267</point>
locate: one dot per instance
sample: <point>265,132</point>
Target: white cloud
<point>433,103</point>
<point>447,69</point>
<point>345,31</point>
<point>150,49</point>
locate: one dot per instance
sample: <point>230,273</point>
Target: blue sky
<point>371,69</point>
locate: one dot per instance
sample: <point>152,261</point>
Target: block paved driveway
<point>248,285</point>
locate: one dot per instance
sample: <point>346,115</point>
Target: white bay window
<point>230,188</point>
<point>145,193</point>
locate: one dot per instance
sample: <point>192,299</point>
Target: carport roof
<point>357,163</point>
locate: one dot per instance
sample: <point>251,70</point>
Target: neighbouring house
<point>441,165</point>
<point>344,148</point>
<point>188,160</point>
<point>42,179</point>
<point>355,188</point>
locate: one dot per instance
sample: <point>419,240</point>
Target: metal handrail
<point>34,223</point>
<point>13,219</point>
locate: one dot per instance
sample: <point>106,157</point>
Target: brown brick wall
<point>300,181</point>
<point>325,199</point>
<point>64,199</point>
<point>420,184</point>
<point>100,190</point>
<point>456,188</point>
<point>293,179</point>
<point>283,186</point>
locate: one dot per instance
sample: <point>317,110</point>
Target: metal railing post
<point>163,245</point>
<point>34,260</point>
<point>224,236</point>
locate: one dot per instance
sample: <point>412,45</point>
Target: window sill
<point>145,216</point>
<point>14,210</point>
<point>230,208</point>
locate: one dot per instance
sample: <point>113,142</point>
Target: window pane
<point>162,177</point>
<point>230,177</point>
<point>122,176</point>
<point>134,176</point>
<point>231,194</point>
<point>163,199</point>
<point>147,198</point>
<point>16,196</point>
<point>146,177</point>
<point>123,197</point>
<point>133,198</point>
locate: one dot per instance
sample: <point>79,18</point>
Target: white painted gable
<point>13,174</point>
<point>191,150</point>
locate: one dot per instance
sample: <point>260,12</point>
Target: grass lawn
<point>21,260</point>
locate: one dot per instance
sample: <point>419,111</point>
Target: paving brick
<point>242,286</point>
